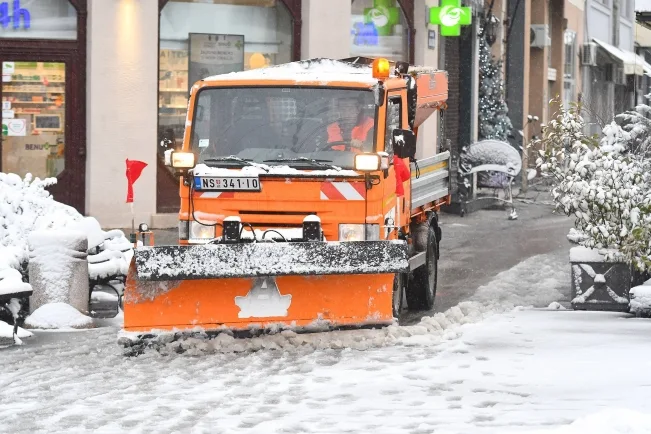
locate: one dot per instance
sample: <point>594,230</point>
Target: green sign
<point>5,130</point>
<point>384,15</point>
<point>450,16</point>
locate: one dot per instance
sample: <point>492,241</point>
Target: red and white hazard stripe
<point>214,195</point>
<point>343,191</point>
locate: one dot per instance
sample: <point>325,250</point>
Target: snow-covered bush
<point>26,206</point>
<point>605,185</point>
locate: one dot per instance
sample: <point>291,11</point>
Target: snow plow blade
<point>253,287</point>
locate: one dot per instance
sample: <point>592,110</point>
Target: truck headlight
<point>355,232</point>
<point>179,160</point>
<point>201,233</point>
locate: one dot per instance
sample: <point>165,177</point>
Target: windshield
<point>286,126</point>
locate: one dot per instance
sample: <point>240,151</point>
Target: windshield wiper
<point>309,161</point>
<point>233,158</point>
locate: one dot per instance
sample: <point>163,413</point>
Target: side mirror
<point>404,143</point>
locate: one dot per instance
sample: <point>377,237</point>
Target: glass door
<point>33,118</point>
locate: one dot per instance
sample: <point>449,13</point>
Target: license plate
<point>245,183</point>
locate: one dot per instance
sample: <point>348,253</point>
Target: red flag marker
<point>134,169</point>
<point>402,174</point>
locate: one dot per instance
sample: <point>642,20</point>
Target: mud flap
<point>272,286</point>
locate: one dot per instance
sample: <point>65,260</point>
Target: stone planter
<point>58,269</point>
<point>598,284</point>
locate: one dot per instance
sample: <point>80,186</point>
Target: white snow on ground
<point>516,371</point>
<point>57,316</point>
<point>610,421</point>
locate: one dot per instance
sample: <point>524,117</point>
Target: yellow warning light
<point>381,68</point>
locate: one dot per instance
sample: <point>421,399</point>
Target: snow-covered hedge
<point>26,206</point>
<point>604,184</point>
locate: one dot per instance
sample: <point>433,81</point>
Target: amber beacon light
<point>381,68</point>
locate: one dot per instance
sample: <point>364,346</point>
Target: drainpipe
<point>616,23</point>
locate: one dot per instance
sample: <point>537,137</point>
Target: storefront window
<point>38,19</point>
<point>379,29</point>
<point>33,118</point>
<point>200,39</point>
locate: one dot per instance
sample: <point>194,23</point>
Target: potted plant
<point>604,184</point>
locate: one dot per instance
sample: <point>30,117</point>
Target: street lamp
<point>491,24</point>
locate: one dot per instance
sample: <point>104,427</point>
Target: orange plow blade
<point>256,287</point>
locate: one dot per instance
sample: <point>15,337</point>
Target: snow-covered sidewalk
<point>517,371</point>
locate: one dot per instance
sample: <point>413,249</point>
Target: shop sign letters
<point>17,16</point>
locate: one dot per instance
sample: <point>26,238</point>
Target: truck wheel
<point>422,287</point>
<point>398,291</point>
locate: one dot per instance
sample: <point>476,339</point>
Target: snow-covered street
<point>482,367</point>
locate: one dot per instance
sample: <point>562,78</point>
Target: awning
<point>632,63</point>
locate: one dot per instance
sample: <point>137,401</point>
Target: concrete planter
<point>58,269</point>
<point>598,284</point>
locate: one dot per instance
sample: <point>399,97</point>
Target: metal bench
<point>492,165</point>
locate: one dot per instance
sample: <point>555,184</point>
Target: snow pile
<point>317,70</point>
<point>534,282</point>
<point>11,282</point>
<point>640,299</point>
<point>441,326</point>
<point>609,421</point>
<point>575,236</point>
<point>58,316</point>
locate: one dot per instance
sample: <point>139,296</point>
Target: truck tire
<point>421,291</point>
<point>398,292</point>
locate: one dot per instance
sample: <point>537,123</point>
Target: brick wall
<point>451,116</point>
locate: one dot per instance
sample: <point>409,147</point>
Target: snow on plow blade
<point>257,286</point>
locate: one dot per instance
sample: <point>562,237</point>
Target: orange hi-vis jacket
<point>359,132</point>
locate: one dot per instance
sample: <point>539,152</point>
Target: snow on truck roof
<point>319,70</point>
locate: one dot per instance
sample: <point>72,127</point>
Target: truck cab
<point>317,137</point>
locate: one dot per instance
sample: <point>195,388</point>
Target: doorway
<point>43,104</point>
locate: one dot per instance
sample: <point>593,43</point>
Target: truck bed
<point>433,184</point>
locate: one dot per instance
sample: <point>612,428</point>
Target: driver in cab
<point>354,125</point>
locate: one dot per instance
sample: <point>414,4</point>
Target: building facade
<point>610,67</point>
<point>88,84</point>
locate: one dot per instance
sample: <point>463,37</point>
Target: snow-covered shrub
<point>603,184</point>
<point>26,206</point>
<point>635,127</point>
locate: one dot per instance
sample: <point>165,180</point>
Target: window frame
<point>396,95</point>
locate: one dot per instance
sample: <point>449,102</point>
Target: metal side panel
<point>434,180</point>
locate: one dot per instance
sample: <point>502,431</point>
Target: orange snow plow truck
<point>303,205</point>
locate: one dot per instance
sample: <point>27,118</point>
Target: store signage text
<point>6,19</point>
<point>450,16</point>
<point>365,34</point>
